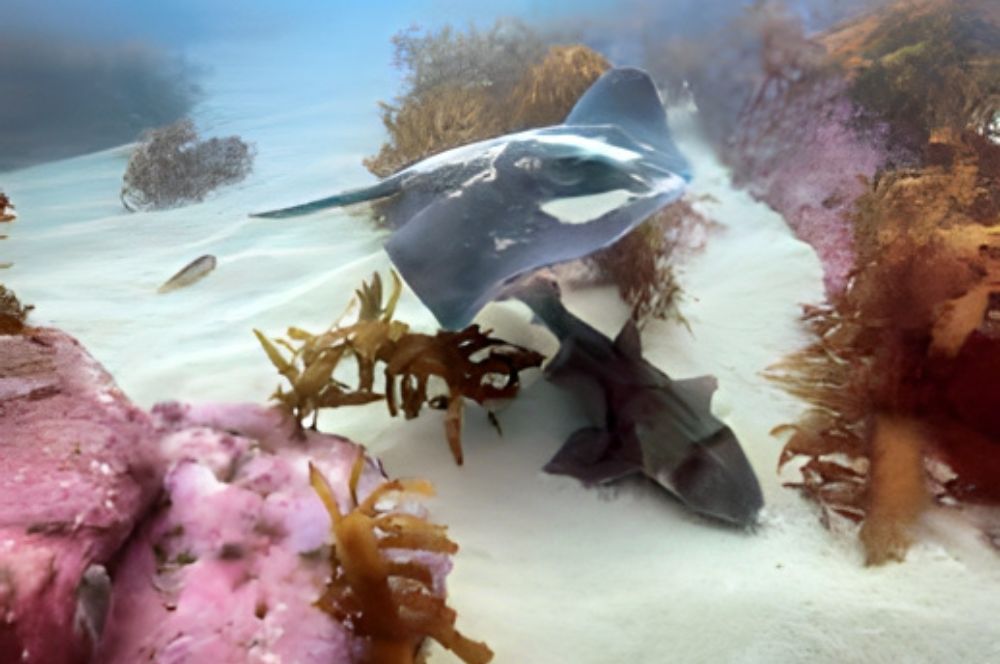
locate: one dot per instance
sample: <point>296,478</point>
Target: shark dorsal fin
<point>627,97</point>
<point>628,341</point>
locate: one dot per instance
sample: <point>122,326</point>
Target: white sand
<point>549,572</point>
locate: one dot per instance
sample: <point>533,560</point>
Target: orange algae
<point>472,365</point>
<point>389,601</point>
<point>896,488</point>
<point>901,374</point>
<point>13,314</point>
<point>6,214</point>
<point>6,208</point>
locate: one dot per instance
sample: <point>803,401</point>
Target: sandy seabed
<point>549,572</point>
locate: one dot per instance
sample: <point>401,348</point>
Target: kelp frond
<point>471,364</point>
<point>378,585</point>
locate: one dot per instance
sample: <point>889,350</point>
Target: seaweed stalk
<point>378,585</point>
<point>471,363</point>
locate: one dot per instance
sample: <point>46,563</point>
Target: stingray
<point>468,221</point>
<point>643,422</point>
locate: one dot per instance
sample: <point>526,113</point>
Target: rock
<point>231,565</point>
<point>78,468</point>
<point>228,564</point>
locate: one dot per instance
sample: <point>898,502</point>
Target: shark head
<point>716,480</point>
<point>689,451</point>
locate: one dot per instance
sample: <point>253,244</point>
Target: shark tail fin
<point>627,97</point>
<point>381,189</point>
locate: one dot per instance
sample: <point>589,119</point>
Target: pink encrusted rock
<point>804,154</point>
<point>226,567</point>
<point>230,566</point>
<point>78,468</point>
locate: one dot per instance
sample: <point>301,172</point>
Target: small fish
<point>644,422</point>
<point>93,599</point>
<point>192,272</point>
<point>470,220</point>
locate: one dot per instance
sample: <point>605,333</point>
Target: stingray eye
<point>579,171</point>
<point>566,171</point>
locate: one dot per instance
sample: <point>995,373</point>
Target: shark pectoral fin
<point>628,341</point>
<point>589,455</point>
<point>697,393</point>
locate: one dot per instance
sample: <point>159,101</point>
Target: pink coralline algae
<point>78,468</point>
<point>801,150</point>
<point>229,568</point>
<point>227,565</point>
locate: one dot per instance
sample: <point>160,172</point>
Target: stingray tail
<point>350,197</point>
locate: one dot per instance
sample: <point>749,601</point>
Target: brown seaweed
<point>901,376</point>
<point>390,601</point>
<point>459,92</point>
<point>925,65</point>
<point>13,314</point>
<point>639,263</point>
<point>472,365</point>
<point>6,208</point>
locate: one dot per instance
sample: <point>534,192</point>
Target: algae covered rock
<point>79,467</point>
<point>902,371</point>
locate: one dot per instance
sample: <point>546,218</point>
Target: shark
<point>468,222</point>
<point>643,422</point>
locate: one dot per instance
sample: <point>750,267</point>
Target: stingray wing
<point>381,189</point>
<point>627,98</point>
<point>459,252</point>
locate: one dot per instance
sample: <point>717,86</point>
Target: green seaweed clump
<point>469,362</point>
